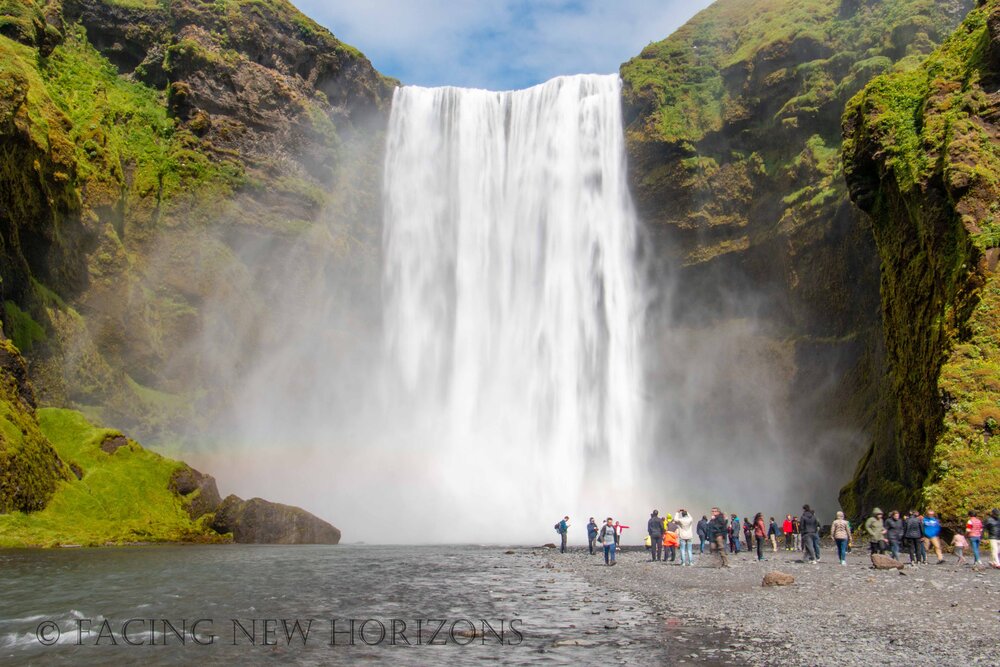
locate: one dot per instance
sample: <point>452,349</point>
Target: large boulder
<point>777,579</point>
<point>258,521</point>
<point>198,489</point>
<point>881,562</point>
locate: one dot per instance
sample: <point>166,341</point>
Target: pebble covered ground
<point>831,615</point>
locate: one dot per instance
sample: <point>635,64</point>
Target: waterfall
<point>512,293</point>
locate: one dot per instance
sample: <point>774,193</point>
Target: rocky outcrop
<point>258,521</point>
<point>921,158</point>
<point>29,466</point>
<point>200,492</point>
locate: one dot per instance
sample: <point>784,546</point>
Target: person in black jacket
<point>718,530</point>
<point>655,529</point>
<point>810,533</point>
<point>913,533</point>
<point>702,534</point>
<point>894,530</point>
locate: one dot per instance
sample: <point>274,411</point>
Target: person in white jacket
<point>685,534</point>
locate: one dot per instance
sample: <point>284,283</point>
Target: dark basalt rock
<point>113,443</point>
<point>198,488</point>
<point>258,521</point>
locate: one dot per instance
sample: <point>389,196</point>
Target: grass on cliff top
<point>828,54</point>
<point>123,497</point>
<point>918,115</point>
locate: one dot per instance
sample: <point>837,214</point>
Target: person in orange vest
<point>670,539</point>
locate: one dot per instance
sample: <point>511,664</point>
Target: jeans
<point>974,543</point>
<point>798,541</point>
<point>894,549</point>
<point>720,547</point>
<point>686,555</point>
<point>734,543</point>
<point>842,549</point>
<point>815,540</point>
<point>670,554</point>
<point>922,550</point>
<point>760,548</point>
<point>609,553</point>
<point>701,544</point>
<point>562,546</point>
<point>656,547</point>
<point>590,540</point>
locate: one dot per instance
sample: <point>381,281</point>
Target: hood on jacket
<point>877,511</point>
<point>995,513</point>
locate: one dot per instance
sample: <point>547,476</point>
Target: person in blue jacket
<point>932,531</point>
<point>591,534</point>
<point>563,529</point>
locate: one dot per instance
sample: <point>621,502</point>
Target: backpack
<point>557,529</point>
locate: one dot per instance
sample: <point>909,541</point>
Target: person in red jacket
<point>787,529</point>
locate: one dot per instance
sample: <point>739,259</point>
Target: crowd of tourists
<point>674,536</point>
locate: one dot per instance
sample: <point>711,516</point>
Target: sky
<point>498,44</point>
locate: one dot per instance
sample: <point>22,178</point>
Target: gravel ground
<point>832,614</point>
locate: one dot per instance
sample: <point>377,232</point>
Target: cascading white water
<point>513,300</point>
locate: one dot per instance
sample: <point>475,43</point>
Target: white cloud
<point>502,43</point>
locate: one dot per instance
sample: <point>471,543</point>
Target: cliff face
<point>148,148</point>
<point>734,139</point>
<point>922,158</point>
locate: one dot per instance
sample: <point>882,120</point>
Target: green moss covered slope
<point>922,157</point>
<point>144,148</point>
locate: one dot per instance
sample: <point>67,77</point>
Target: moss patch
<point>123,497</point>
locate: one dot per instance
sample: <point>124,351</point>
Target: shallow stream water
<point>71,606</point>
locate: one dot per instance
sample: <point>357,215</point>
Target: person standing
<point>960,543</point>
<point>789,531</point>
<point>772,534</point>
<point>894,531</point>
<point>932,531</point>
<point>563,529</point>
<point>797,532</point>
<point>810,533</point>
<point>609,540</point>
<point>591,534</point>
<point>913,533</point>
<point>702,534</point>
<point>654,527</point>
<point>618,533</point>
<point>993,535</point>
<point>876,532</point>
<point>734,534</point>
<point>974,531</point>
<point>685,533</point>
<point>717,529</point>
<point>760,534</point>
<point>748,532</point>
<point>670,539</point>
<point>840,530</point>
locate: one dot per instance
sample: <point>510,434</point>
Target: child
<point>959,542</point>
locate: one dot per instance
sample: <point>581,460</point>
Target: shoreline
<point>832,615</point>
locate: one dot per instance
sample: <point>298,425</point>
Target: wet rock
<point>777,579</point>
<point>198,489</point>
<point>549,546</point>
<point>258,521</point>
<point>509,552</point>
<point>882,562</point>
<point>113,443</point>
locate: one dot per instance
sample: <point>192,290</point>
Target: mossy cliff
<point>146,145</point>
<point>734,138</point>
<point>922,158</point>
